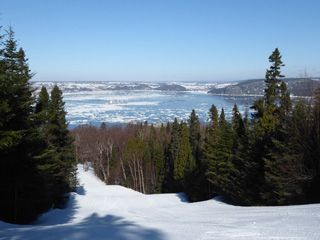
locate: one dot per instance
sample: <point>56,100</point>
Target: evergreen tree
<point>273,78</point>
<point>163,137</point>
<point>103,126</point>
<point>213,135</point>
<point>184,163</point>
<point>168,185</point>
<point>195,136</point>
<point>271,133</point>
<point>210,146</point>
<point>43,101</point>
<point>285,101</point>
<point>240,157</point>
<point>60,140</point>
<point>22,191</point>
<point>42,107</point>
<point>168,128</point>
<point>158,157</point>
<point>237,125</point>
<point>154,162</point>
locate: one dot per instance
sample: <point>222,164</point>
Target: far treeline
<point>37,157</point>
<point>270,158</point>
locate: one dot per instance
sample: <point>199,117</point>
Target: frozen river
<point>140,106</point>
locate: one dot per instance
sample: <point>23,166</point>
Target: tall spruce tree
<point>61,141</point>
<point>240,157</point>
<point>237,125</point>
<point>42,107</point>
<point>271,133</point>
<point>184,163</point>
<point>212,135</point>
<point>273,78</point>
<point>195,136</point>
<point>171,155</point>
<point>22,194</point>
<point>210,146</point>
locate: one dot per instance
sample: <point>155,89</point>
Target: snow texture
<point>98,211</point>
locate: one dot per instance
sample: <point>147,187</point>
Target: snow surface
<point>98,211</point>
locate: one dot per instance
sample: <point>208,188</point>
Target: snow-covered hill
<point>98,211</point>
<point>76,87</point>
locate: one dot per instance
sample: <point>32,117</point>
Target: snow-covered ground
<point>98,211</point>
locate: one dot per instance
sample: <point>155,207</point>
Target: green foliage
<point>171,155</point>
<point>195,136</point>
<point>21,195</point>
<point>184,163</point>
<point>158,159</point>
<point>218,153</point>
<point>273,78</point>
<point>134,158</point>
<point>60,141</point>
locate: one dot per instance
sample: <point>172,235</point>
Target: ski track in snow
<point>98,211</point>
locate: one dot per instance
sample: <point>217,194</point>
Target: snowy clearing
<point>98,211</point>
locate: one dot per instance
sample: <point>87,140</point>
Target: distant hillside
<point>124,87</point>
<point>171,87</point>
<point>297,87</point>
<point>71,87</point>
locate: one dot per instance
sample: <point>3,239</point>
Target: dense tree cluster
<point>271,158</point>
<point>37,160</point>
<point>139,156</point>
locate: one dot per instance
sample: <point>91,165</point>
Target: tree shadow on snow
<point>92,227</point>
<point>63,215</point>
<point>81,190</point>
<point>183,197</point>
<point>60,216</point>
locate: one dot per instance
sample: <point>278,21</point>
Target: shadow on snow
<point>92,227</point>
<point>64,215</point>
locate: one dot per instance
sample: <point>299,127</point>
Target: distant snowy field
<point>99,211</point>
<point>88,102</point>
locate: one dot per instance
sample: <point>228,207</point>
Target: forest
<point>269,158</point>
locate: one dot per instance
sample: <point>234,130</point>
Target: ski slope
<point>98,211</point>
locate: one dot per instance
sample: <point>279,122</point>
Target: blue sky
<point>167,40</point>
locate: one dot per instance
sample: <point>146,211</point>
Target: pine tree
<point>210,146</point>
<point>212,136</point>
<point>42,107</point>
<point>271,134</point>
<point>195,136</point>
<point>184,163</point>
<point>240,157</point>
<point>171,155</point>
<point>237,125</point>
<point>103,126</point>
<point>285,101</point>
<point>154,161</point>
<point>43,101</point>
<point>273,78</point>
<point>22,191</point>
<point>60,140</point>
<point>168,128</point>
<point>158,157</point>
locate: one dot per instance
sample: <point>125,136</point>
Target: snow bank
<point>113,212</point>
